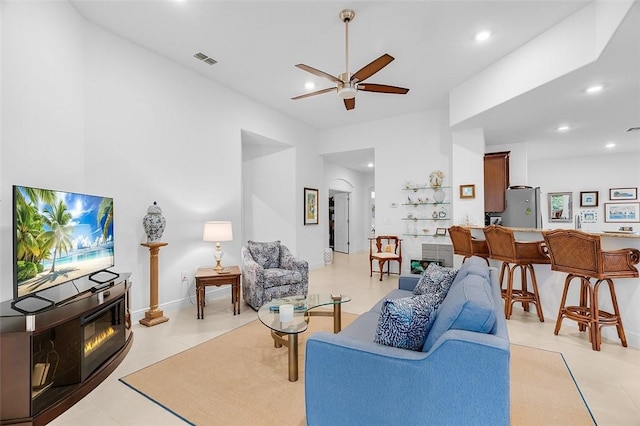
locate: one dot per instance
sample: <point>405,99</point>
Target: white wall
<point>269,199</point>
<point>407,148</point>
<point>92,112</point>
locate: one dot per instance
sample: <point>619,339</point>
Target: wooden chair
<point>523,255</point>
<point>464,244</point>
<point>387,248</point>
<point>581,256</point>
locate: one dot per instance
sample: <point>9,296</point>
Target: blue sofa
<point>461,377</point>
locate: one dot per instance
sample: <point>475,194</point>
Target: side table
<point>207,276</point>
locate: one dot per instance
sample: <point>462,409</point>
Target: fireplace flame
<point>97,340</point>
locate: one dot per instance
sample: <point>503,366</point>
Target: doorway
<point>339,221</point>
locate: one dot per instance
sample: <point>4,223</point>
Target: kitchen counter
<point>613,234</point>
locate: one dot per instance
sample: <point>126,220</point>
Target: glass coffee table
<point>286,333</point>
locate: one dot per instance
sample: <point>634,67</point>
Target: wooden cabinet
<point>52,358</point>
<point>496,181</point>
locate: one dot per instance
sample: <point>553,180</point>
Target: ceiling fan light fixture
<point>348,91</point>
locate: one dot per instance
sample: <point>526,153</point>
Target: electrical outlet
<point>183,276</point>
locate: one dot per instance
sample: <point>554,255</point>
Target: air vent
<point>631,129</point>
<point>204,58</point>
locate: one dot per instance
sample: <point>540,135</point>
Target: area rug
<point>239,378</point>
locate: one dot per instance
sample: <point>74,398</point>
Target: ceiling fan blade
<point>319,92</point>
<point>382,88</point>
<point>350,103</point>
<point>319,73</point>
<point>372,68</point>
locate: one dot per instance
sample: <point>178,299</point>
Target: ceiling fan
<point>347,85</point>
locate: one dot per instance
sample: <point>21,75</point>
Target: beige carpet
<point>239,378</point>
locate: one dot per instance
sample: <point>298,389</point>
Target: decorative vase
<point>438,195</point>
<point>154,223</point>
<point>435,178</point>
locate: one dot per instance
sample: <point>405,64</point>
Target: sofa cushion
<point>267,255</point>
<point>275,277</point>
<point>468,306</point>
<point>472,266</point>
<point>436,281</point>
<point>404,323</point>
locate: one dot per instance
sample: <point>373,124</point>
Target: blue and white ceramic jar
<point>154,223</point>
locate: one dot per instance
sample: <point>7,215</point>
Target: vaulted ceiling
<point>258,43</point>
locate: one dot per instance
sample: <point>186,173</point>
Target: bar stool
<point>523,255</point>
<point>464,244</point>
<point>581,256</point>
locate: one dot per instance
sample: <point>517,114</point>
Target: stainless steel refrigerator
<point>523,208</point>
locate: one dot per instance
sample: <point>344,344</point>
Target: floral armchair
<point>270,271</point>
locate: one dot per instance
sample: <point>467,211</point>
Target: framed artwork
<point>589,199</point>
<point>467,191</point>
<point>560,207</point>
<point>622,212</point>
<point>310,206</point>
<point>440,232</point>
<point>623,194</point>
<point>588,216</point>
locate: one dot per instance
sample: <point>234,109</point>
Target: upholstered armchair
<point>270,271</point>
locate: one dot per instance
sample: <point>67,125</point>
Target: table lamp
<point>217,231</point>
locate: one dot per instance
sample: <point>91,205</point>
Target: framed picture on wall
<point>589,199</point>
<point>467,191</point>
<point>622,212</point>
<point>623,194</point>
<point>310,206</point>
<point>588,216</point>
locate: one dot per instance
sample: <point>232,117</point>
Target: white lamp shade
<point>217,231</point>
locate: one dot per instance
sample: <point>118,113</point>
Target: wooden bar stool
<point>464,244</point>
<point>523,255</point>
<point>581,256</point>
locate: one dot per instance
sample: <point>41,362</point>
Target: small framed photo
<point>622,212</point>
<point>467,191</point>
<point>441,232</point>
<point>588,216</point>
<point>623,194</point>
<point>310,206</point>
<point>589,199</point>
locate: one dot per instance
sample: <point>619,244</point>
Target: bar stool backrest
<point>461,240</point>
<point>580,253</point>
<point>501,243</point>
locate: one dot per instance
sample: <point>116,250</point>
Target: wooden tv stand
<point>51,359</point>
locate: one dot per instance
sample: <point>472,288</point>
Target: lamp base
<point>220,269</point>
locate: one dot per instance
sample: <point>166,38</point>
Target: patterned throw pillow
<point>405,322</point>
<point>266,255</point>
<point>435,281</point>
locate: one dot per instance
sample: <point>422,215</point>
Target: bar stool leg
<point>523,286</point>
<point>563,301</point>
<point>508,303</point>
<point>536,295</point>
<point>616,311</point>
<point>594,313</point>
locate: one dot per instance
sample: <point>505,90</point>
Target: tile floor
<point>609,379</point>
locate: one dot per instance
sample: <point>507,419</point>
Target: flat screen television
<point>58,237</point>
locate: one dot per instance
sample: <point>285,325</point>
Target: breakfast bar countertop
<point>614,234</point>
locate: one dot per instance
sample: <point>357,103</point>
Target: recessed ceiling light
<point>594,89</point>
<point>370,165</point>
<point>563,128</point>
<point>309,85</point>
<point>483,35</point>
<point>610,145</point>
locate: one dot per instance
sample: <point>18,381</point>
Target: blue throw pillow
<point>405,322</point>
<point>436,281</point>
